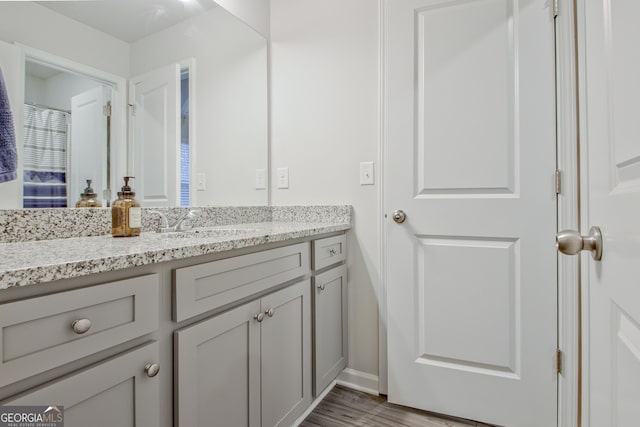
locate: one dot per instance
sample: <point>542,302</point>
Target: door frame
<point>568,211</point>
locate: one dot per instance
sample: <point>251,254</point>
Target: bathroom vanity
<point>235,325</point>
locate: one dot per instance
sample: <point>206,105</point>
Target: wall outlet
<point>366,173</point>
<point>283,177</point>
<point>201,181</point>
<point>261,179</point>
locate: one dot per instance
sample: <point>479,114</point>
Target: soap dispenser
<point>126,213</point>
<point>89,198</point>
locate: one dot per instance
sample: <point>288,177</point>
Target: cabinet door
<point>330,324</point>
<point>217,370</point>
<point>286,355</point>
<point>117,392</point>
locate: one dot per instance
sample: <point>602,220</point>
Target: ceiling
<point>129,20</point>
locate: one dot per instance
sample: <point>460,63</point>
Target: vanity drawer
<point>201,288</point>
<point>329,251</point>
<point>42,333</point>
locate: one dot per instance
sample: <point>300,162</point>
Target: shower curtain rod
<point>33,104</point>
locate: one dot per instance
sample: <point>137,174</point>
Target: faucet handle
<point>183,223</point>
<point>164,222</point>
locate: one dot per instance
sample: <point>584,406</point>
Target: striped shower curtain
<point>46,138</point>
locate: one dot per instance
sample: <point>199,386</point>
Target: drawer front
<point>38,334</point>
<point>204,287</point>
<point>114,393</point>
<point>329,251</point>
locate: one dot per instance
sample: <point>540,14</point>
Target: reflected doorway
<point>66,136</point>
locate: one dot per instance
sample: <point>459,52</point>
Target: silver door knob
<point>321,287</point>
<point>399,216</point>
<point>80,326</point>
<point>151,369</point>
<point>259,317</point>
<point>570,242</point>
<point>270,312</point>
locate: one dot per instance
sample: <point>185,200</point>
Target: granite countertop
<point>33,262</point>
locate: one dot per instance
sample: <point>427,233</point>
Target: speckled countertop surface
<point>33,262</point>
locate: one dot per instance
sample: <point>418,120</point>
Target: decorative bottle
<point>126,213</point>
<point>88,198</point>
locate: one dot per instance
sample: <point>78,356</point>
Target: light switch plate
<point>283,177</point>
<point>366,173</point>
<point>201,181</point>
<point>261,179</point>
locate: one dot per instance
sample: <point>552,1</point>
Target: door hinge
<point>556,8</point>
<point>106,109</point>
<point>558,181</point>
<point>559,361</point>
<point>133,109</point>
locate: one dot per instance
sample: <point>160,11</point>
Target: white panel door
<point>610,82</point>
<point>471,274</point>
<point>156,138</point>
<point>88,151</point>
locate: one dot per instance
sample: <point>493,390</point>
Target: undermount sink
<point>210,232</point>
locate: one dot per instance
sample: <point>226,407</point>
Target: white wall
<point>231,100</point>
<point>254,12</point>
<point>324,123</point>
<point>56,91</point>
<point>38,27</point>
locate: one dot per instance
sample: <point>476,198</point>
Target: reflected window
<point>185,163</point>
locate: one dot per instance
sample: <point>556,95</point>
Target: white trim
<point>314,404</point>
<point>382,237</point>
<point>358,380</point>
<point>568,215</point>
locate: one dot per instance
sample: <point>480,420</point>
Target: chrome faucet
<point>180,225</point>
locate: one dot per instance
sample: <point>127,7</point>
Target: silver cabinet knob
<point>399,216</point>
<point>151,369</point>
<point>570,242</point>
<point>270,312</point>
<point>259,317</point>
<point>321,287</point>
<point>332,252</point>
<point>80,326</point>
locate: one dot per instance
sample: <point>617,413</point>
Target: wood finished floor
<point>346,407</point>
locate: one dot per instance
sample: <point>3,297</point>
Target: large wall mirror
<point>172,92</point>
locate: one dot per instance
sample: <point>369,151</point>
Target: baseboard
<point>360,381</point>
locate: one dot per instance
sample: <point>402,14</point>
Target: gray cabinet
<point>250,366</point>
<point>116,392</point>
<point>330,326</point>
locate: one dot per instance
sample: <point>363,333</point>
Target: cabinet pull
<point>80,326</point>
<point>270,312</point>
<point>332,252</point>
<point>151,369</point>
<point>321,287</point>
<point>259,317</point>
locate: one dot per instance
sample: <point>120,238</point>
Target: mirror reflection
<point>171,92</point>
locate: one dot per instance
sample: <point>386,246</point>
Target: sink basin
<point>211,232</point>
